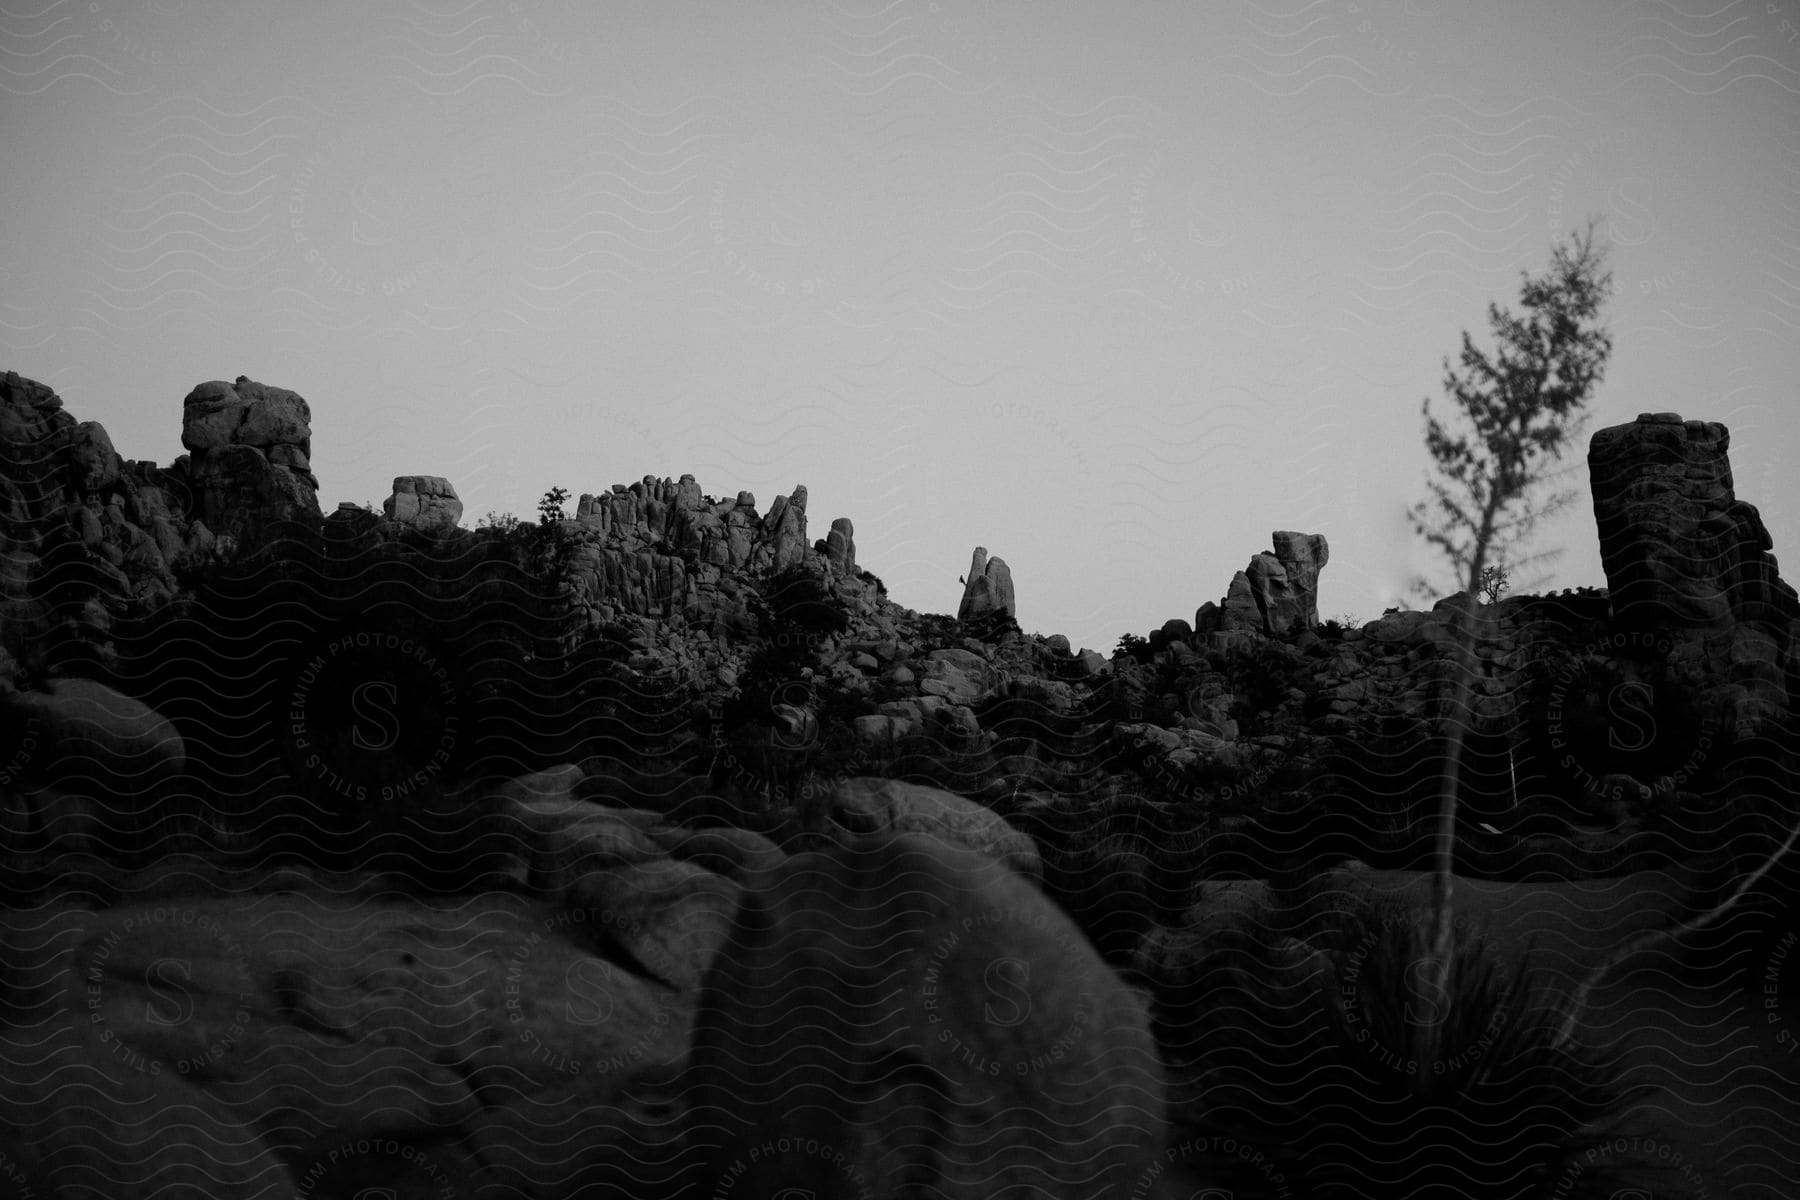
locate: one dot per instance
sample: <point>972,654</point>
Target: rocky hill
<point>605,725</point>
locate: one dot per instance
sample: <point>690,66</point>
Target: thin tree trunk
<point>1442,945</point>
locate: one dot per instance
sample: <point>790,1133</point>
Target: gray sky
<point>1113,289</point>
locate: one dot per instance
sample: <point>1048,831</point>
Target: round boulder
<point>869,805</point>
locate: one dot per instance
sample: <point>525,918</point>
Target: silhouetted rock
<point>839,546</point>
<point>1687,560</point>
<point>427,502</point>
<point>1277,594</point>
<point>251,467</point>
<point>987,589</point>
<point>1679,548</point>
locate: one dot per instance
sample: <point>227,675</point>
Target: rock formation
<point>987,589</point>
<point>1687,560</point>
<point>1679,548</point>
<point>866,991</point>
<point>839,547</point>
<point>251,457</point>
<point>1277,594</point>
<point>546,959</point>
<point>86,761</point>
<point>426,502</point>
<point>659,549</point>
<point>87,537</point>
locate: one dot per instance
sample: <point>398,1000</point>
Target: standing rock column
<point>1277,594</point>
<point>1677,545</point>
<point>251,449</point>
<point>987,589</point>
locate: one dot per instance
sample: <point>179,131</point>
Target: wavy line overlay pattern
<point>1115,290</point>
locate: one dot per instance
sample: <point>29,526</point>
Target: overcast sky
<point>1113,289</point>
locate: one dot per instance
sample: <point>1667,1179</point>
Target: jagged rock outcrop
<point>1689,561</point>
<point>660,549</point>
<point>987,589</point>
<point>839,547</point>
<point>787,525</point>
<point>1679,548</point>
<point>251,458</point>
<point>87,537</point>
<point>1277,594</point>
<point>426,502</point>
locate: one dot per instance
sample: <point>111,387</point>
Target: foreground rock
<point>89,1125</point>
<point>895,1017</point>
<point>894,806</point>
<point>81,761</point>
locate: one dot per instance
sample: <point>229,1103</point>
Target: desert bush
<point>1300,1047</point>
<point>1133,647</point>
<point>799,601</point>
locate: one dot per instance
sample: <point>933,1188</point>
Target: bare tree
<point>1520,407</point>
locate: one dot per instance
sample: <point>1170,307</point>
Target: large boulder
<point>102,756</point>
<point>987,589</point>
<point>870,805</point>
<point>245,413</point>
<point>897,1018</point>
<point>959,676</point>
<point>427,502</point>
<point>85,1121</point>
<point>325,1026</point>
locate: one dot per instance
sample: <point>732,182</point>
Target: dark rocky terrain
<point>362,849</point>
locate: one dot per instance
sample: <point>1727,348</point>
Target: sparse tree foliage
<point>1517,410</point>
<point>552,544</point>
<point>1520,406</point>
<point>1495,580</point>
